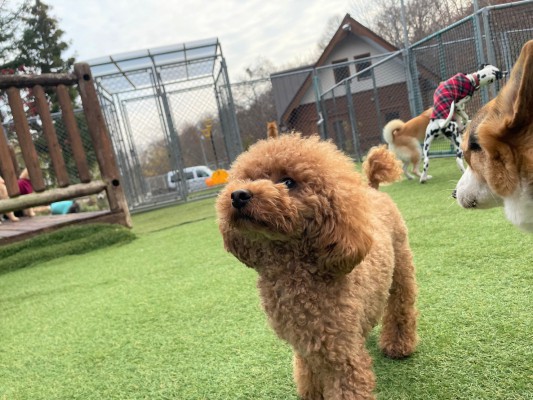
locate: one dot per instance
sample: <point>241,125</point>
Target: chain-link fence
<point>169,111</point>
<point>254,107</point>
<point>351,100</point>
<point>43,152</point>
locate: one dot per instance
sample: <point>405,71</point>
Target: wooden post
<point>49,131</point>
<point>101,141</point>
<point>7,168</point>
<point>71,126</point>
<point>26,143</point>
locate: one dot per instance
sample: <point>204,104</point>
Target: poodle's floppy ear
<point>345,238</point>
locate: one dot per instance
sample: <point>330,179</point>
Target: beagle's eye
<point>288,182</point>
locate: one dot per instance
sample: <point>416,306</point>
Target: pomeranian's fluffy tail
<point>390,129</point>
<point>381,166</point>
<point>272,129</point>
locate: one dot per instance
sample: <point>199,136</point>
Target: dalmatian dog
<point>449,117</point>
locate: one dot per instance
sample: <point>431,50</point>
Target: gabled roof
<point>348,26</point>
<point>351,26</point>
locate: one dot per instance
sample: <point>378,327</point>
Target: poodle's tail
<point>381,166</point>
<point>391,128</point>
<point>272,129</point>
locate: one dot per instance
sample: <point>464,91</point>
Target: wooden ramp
<point>11,232</point>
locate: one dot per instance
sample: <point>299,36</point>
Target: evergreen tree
<point>41,47</point>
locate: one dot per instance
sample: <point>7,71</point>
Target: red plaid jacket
<point>453,89</point>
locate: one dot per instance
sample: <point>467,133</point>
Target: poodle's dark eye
<point>288,182</point>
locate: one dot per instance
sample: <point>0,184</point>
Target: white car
<point>195,176</point>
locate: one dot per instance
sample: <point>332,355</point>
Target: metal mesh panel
<point>227,118</point>
<point>170,112</point>
<point>357,108</point>
<point>254,106</point>
<point>506,30</point>
<point>41,147</point>
<point>295,101</point>
<point>438,58</point>
<point>350,102</point>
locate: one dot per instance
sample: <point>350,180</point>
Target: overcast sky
<point>279,31</point>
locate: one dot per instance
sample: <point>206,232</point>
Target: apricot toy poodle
<point>332,255</point>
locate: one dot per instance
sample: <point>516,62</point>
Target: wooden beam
<point>73,131</point>
<point>101,140</point>
<point>51,196</point>
<point>7,169</point>
<point>31,160</point>
<point>49,131</point>
<point>25,81</point>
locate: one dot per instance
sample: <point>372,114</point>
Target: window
<point>359,66</point>
<point>202,174</point>
<point>341,72</point>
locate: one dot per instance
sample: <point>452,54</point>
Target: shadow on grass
<point>68,241</point>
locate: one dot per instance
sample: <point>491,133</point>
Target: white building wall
<point>388,73</point>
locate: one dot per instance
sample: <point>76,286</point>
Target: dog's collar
<point>474,80</point>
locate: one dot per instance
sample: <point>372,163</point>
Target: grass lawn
<point>171,315</point>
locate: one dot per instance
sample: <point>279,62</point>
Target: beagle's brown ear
<point>517,95</point>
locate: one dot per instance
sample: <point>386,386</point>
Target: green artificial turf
<point>171,315</point>
<point>78,239</point>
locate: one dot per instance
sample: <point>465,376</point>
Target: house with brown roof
<point>376,95</point>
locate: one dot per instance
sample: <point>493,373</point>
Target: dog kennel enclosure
<point>168,109</point>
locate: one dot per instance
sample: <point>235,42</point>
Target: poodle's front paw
<point>398,351</point>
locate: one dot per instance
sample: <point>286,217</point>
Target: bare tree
<point>423,17</point>
<point>331,27</point>
<point>364,11</point>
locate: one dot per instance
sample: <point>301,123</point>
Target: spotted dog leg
<point>452,134</point>
<point>432,131</point>
<point>456,141</point>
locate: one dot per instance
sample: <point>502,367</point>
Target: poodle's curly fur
<point>332,255</point>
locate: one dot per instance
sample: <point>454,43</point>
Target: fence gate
<point>168,109</point>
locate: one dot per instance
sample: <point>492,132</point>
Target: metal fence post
<point>478,38</point>
<point>409,80</point>
<point>353,121</point>
<point>318,103</point>
<point>176,154</point>
<point>236,147</point>
<point>376,101</point>
<point>490,49</point>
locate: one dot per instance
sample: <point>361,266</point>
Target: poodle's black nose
<point>239,198</point>
<point>454,193</point>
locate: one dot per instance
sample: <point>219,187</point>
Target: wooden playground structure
<point>109,179</point>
